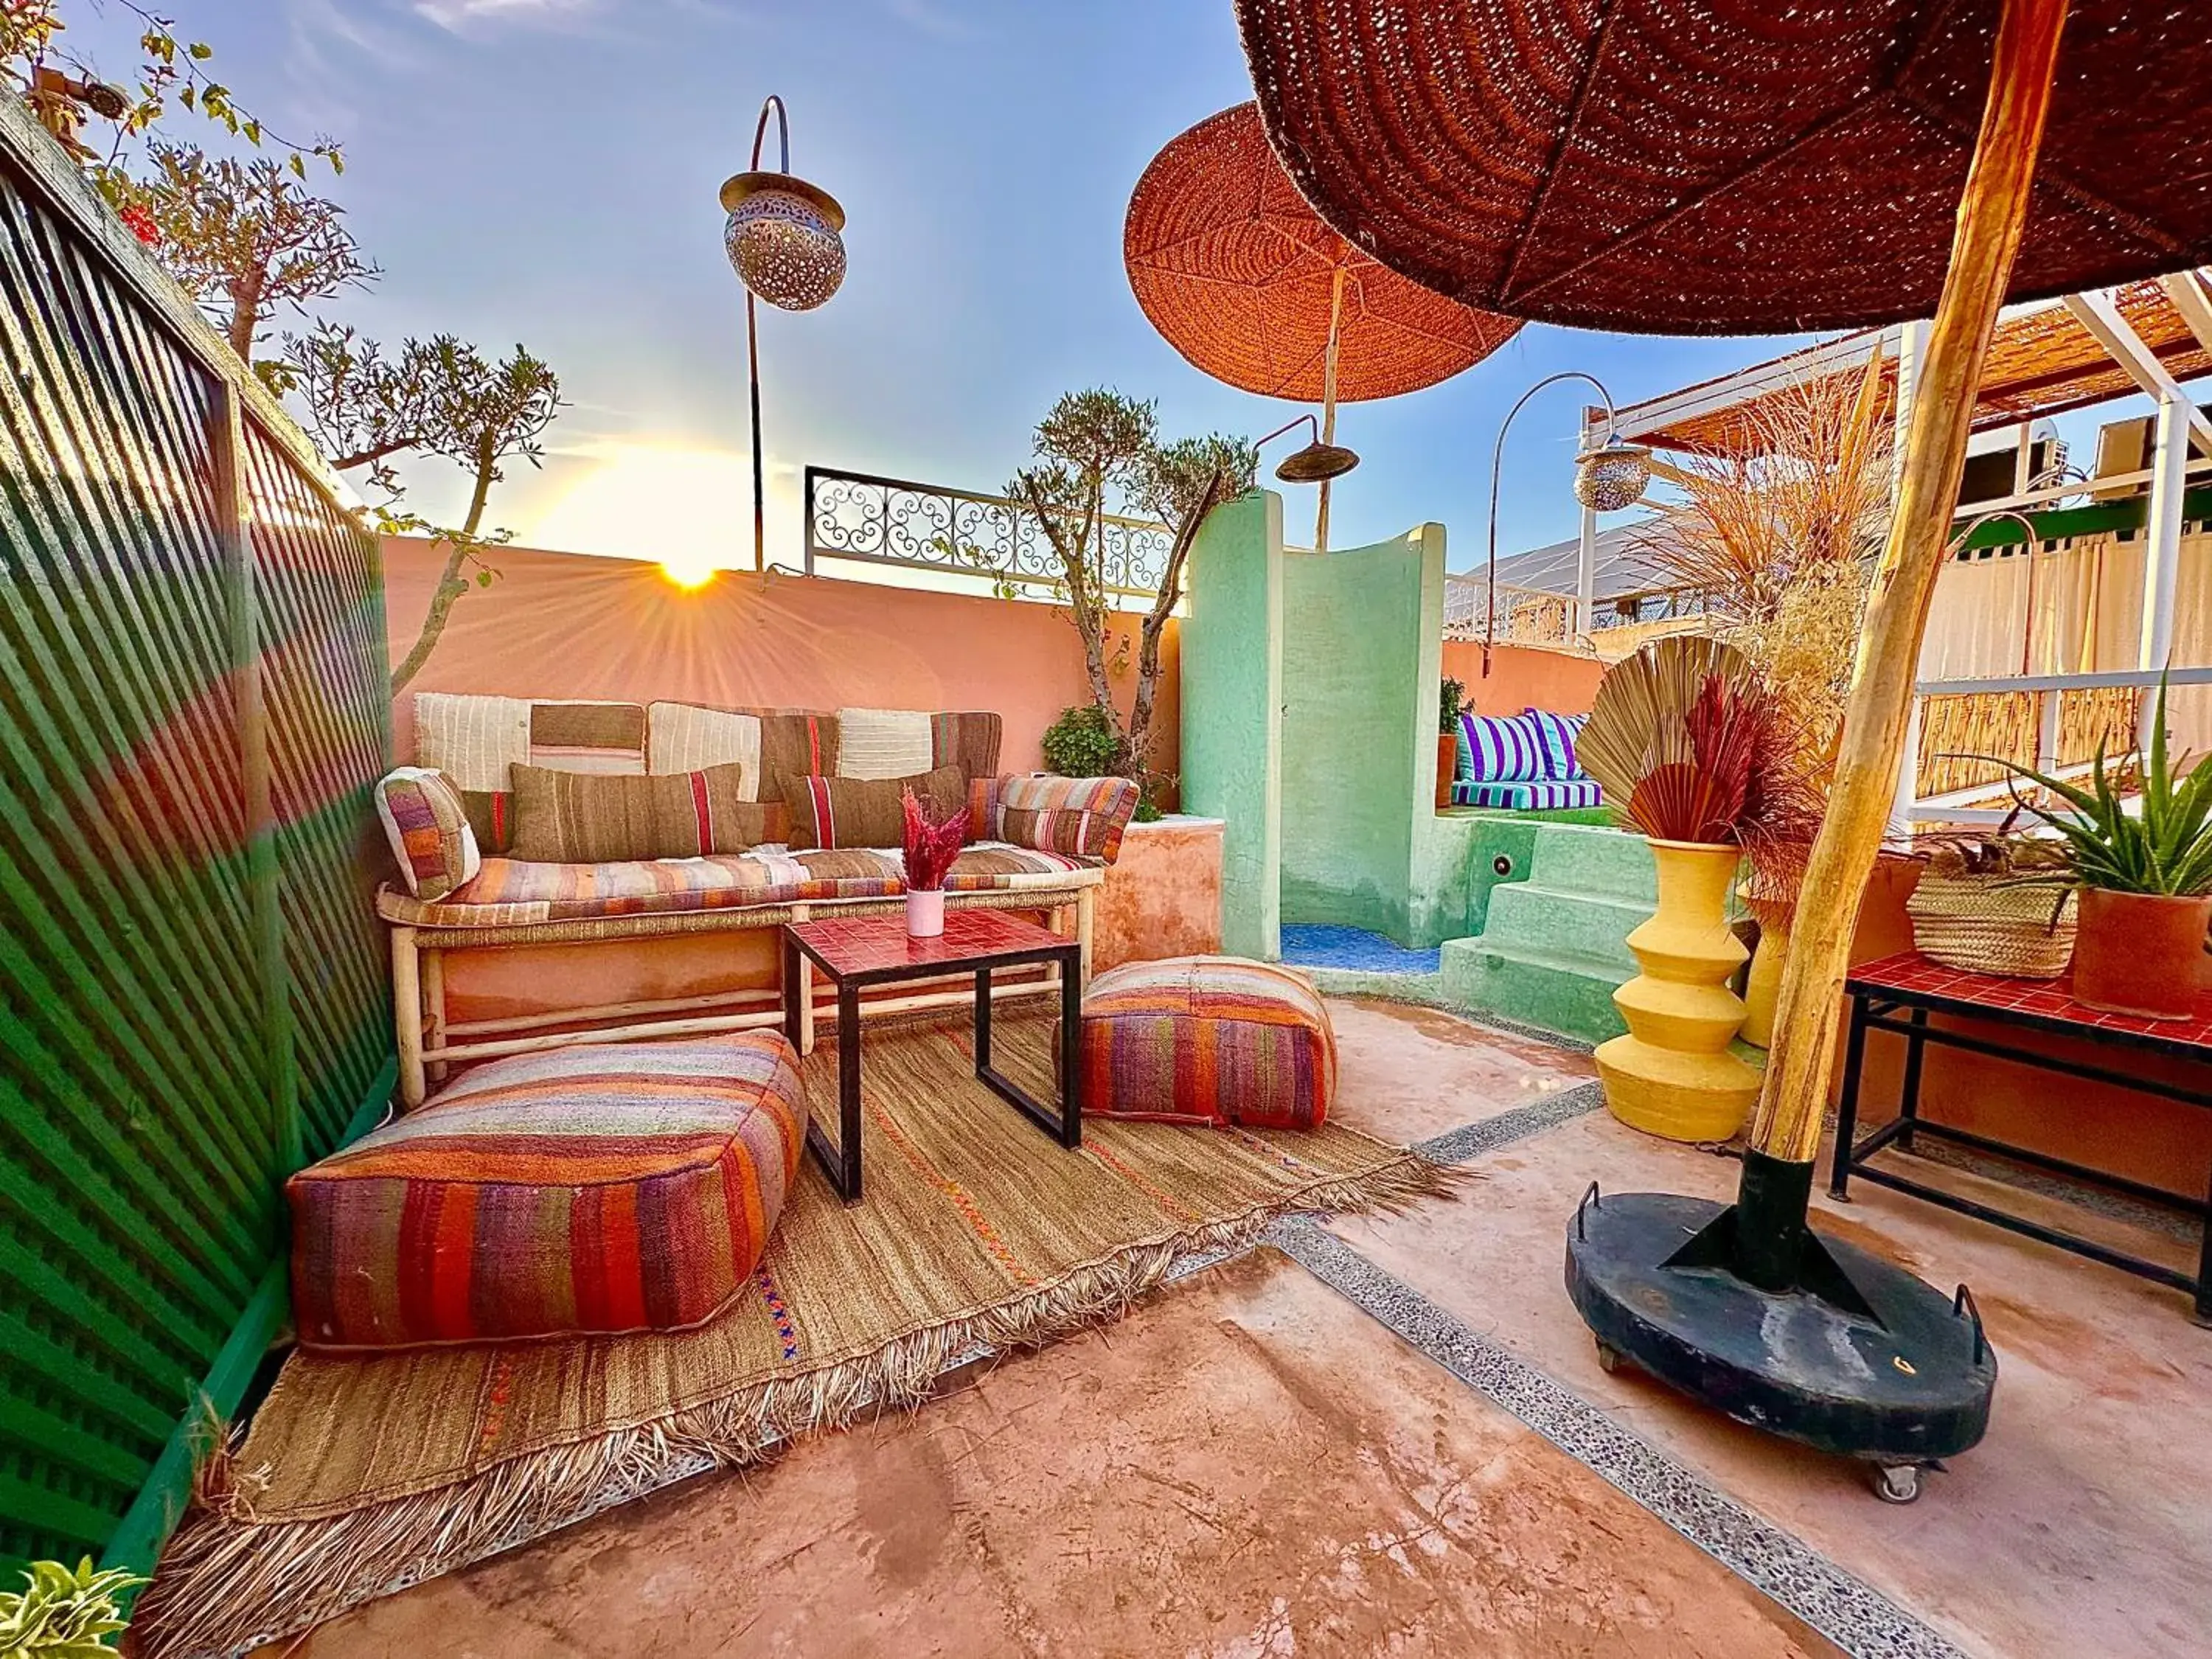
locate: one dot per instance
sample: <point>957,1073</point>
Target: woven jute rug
<point>359,1474</point>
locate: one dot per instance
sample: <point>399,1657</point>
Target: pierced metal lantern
<point>1612,476</point>
<point>782,238</point>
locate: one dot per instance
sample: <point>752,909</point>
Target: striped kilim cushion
<point>1530,797</point>
<point>585,817</point>
<point>994,866</point>
<point>1500,748</point>
<point>1085,816</point>
<point>428,829</point>
<point>1214,1040</point>
<point>619,1188</point>
<point>517,893</point>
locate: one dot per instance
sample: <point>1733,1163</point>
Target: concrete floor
<point>1251,1463</point>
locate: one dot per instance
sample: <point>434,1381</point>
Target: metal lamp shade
<point>1613,476</point>
<point>1316,463</point>
<point>782,238</point>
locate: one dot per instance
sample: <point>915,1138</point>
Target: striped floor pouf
<point>624,1187</point>
<point>1211,1040</point>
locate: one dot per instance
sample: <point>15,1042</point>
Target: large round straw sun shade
<point>1240,276</point>
<point>1725,166</point>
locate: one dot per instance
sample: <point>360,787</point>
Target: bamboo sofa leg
<point>804,913</point>
<point>1086,907</point>
<point>407,1016</point>
<point>434,1008</point>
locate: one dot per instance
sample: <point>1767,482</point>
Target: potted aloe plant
<point>61,1614</point>
<point>2145,876</point>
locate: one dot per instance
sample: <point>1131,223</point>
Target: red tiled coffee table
<point>857,952</point>
<point>1899,993</point>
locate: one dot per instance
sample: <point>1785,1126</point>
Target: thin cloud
<point>456,16</point>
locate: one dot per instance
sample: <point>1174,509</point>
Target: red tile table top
<point>852,947</point>
<point>2042,1001</point>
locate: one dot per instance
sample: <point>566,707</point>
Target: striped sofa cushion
<point>428,829</point>
<point>1557,733</point>
<point>1212,1040</point>
<point>600,1189</point>
<point>994,866</point>
<point>1530,797</point>
<point>583,817</point>
<point>519,893</point>
<point>1500,748</point>
<point>1084,815</point>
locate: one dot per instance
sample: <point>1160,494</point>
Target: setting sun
<point>688,508</point>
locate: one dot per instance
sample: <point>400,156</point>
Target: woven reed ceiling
<point>1720,167</point>
<point>2042,363</point>
<point>1237,274</point>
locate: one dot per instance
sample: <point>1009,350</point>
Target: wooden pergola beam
<point>2098,314</point>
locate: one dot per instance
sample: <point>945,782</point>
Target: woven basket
<point>1986,924</point>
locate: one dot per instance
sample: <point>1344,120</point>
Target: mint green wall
<point>1360,846</point>
<point>1232,695</point>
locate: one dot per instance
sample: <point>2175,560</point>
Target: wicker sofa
<point>1038,844</point>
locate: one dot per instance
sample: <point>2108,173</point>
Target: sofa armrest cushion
<point>428,829</point>
<point>1083,817</point>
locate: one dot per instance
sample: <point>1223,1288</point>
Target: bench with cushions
<point>1523,763</point>
<point>538,823</point>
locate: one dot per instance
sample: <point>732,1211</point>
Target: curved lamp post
<point>1609,474</point>
<point>783,242</point>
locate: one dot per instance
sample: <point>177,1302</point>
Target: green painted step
<point>1533,915</point>
<point>1553,990</point>
<point>1601,863</point>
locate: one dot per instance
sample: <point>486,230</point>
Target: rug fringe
<point>230,1580</point>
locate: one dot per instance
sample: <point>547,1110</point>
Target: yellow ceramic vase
<point>1762,985</point>
<point>1673,1074</point>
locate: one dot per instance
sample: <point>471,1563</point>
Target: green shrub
<point>1453,697</point>
<point>1083,744</point>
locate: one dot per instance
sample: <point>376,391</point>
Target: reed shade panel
<point>1241,277</point>
<point>1713,166</point>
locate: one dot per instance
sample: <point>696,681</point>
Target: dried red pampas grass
<point>929,846</point>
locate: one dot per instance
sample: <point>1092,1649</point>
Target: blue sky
<point>545,171</point>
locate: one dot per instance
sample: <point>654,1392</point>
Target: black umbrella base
<point>1858,1357</point>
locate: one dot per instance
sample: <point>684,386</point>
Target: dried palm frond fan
<point>1690,744</point>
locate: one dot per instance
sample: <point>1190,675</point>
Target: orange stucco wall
<point>2123,1133</point>
<point>572,625</point>
<point>1521,676</point>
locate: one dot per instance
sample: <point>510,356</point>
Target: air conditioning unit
<point>1992,472</point>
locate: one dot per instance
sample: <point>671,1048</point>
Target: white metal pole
<point>1586,574</point>
<point>2169,479</point>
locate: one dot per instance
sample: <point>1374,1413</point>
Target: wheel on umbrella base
<point>1897,1483</point>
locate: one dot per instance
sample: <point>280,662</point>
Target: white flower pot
<point>925,915</point>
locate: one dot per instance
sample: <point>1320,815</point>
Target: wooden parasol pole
<point>1329,403</point>
<point>1991,211</point>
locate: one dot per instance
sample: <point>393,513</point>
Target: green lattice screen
<point>192,710</point>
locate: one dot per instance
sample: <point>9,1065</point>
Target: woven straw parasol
<point>1731,166</point>
<point>1239,275</point>
<point>1724,167</point>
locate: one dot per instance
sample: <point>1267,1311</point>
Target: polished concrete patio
<point>1390,1435</point>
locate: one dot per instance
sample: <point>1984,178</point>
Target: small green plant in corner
<point>1455,697</point>
<point>63,1614</point>
<point>1082,742</point>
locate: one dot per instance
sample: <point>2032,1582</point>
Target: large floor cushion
<point>1214,1040</point>
<point>625,1187</point>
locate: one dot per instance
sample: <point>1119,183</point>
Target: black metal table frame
<point>841,1162</point>
<point>1877,1008</point>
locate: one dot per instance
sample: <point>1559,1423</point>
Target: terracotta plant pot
<point>925,914</point>
<point>1673,1074</point>
<point>2140,953</point>
<point>1447,764</point>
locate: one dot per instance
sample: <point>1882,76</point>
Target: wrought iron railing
<point>1536,615</point>
<point>921,526</point>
